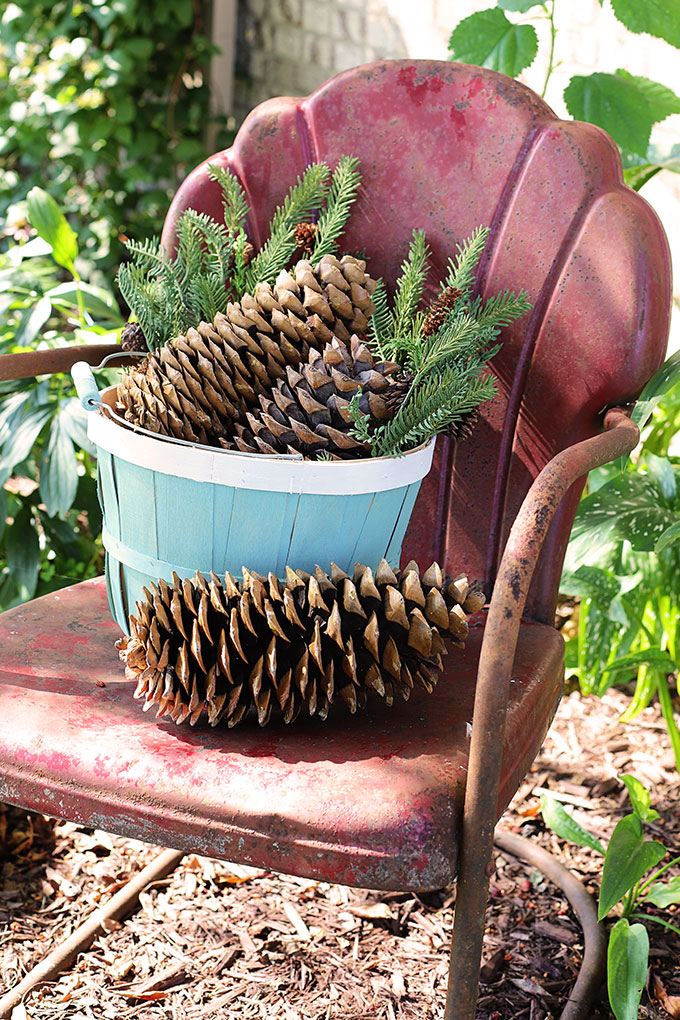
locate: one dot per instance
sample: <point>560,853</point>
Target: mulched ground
<point>216,940</point>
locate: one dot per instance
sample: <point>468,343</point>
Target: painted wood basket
<point>170,505</point>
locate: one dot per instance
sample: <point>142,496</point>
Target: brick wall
<point>289,47</point>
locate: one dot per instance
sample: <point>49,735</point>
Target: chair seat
<point>370,800</point>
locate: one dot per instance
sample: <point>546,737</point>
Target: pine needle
<point>462,268</point>
<point>411,284</point>
<point>234,201</point>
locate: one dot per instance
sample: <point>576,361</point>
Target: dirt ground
<point>215,940</point>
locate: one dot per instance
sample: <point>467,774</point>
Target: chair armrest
<point>493,683</point>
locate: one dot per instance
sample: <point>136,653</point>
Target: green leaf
<point>47,218</point>
<point>662,382</point>
<point>20,442</point>
<point>660,470</point>
<point>23,553</point>
<point>638,175</point>
<point>654,656</point>
<point>98,303</point>
<point>521,6</point>
<point>627,507</point>
<point>625,106</point>
<point>557,819</point>
<point>58,469</point>
<point>663,894</point>
<point>656,17</point>
<point>627,957</point>
<point>591,583</point>
<point>489,39</point>
<point>640,798</point>
<point>32,321</point>
<point>627,859</point>
<point>669,537</point>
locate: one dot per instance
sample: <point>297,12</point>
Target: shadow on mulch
<point>216,940</point>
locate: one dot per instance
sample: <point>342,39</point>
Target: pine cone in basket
<point>308,410</point>
<point>196,387</point>
<point>224,647</point>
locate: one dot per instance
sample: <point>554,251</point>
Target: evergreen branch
<point>343,192</point>
<point>234,201</point>
<point>361,431</point>
<point>462,268</point>
<point>502,309</point>
<point>411,283</point>
<point>380,331</point>
<point>307,195</point>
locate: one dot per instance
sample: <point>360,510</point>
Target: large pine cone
<point>308,410</point>
<point>225,647</point>
<point>197,386</point>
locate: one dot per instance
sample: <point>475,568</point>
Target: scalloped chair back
<point>446,147</point>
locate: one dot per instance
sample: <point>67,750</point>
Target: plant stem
<point>667,713</point>
<point>553,35</point>
<point>657,920</point>
<point>657,874</point>
<point>629,901</point>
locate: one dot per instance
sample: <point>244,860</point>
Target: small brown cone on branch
<point>223,647</point>
<point>308,411</point>
<point>197,387</point>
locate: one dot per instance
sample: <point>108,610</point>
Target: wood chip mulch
<point>216,940</point>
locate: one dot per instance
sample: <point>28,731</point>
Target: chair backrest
<point>446,147</point>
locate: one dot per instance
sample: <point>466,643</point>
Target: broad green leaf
<point>636,176</point>
<point>58,469</point>
<point>640,798</point>
<point>591,583</point>
<point>23,553</point>
<point>557,819</point>
<point>625,106</point>
<point>663,894</point>
<point>521,6</point>
<point>489,39</point>
<point>20,442</point>
<point>35,247</point>
<point>3,511</point>
<point>654,656</point>
<point>660,470</point>
<point>74,418</point>
<point>662,382</point>
<point>629,508</point>
<point>32,321</point>
<point>627,957</point>
<point>627,859</point>
<point>656,17</point>
<point>48,219</point>
<point>98,303</point>
<point>669,537</point>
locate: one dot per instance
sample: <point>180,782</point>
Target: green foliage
<point>625,880</point>
<point>623,562</point>
<point>447,366</point>
<point>106,106</point>
<point>210,267</point>
<point>625,105</point>
<point>51,522</point>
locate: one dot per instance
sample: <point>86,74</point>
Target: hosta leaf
<point>58,469</point>
<point>627,956</point>
<point>640,798</point>
<point>660,470</point>
<point>48,219</point>
<point>628,857</point>
<point>669,537</point>
<point>663,894</point>
<point>591,582</point>
<point>557,819</point>
<point>625,106</point>
<point>656,17</point>
<point>489,39</point>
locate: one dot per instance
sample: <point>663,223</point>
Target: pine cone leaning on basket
<point>315,639</point>
<point>308,411</point>
<point>198,386</point>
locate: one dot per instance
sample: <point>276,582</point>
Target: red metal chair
<point>400,798</point>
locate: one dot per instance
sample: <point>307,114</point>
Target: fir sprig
<point>307,195</point>
<point>332,219</point>
<point>212,263</point>
<point>444,365</point>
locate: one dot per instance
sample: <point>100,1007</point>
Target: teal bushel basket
<point>172,505</point>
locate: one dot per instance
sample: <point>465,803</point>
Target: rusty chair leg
<point>491,696</point>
